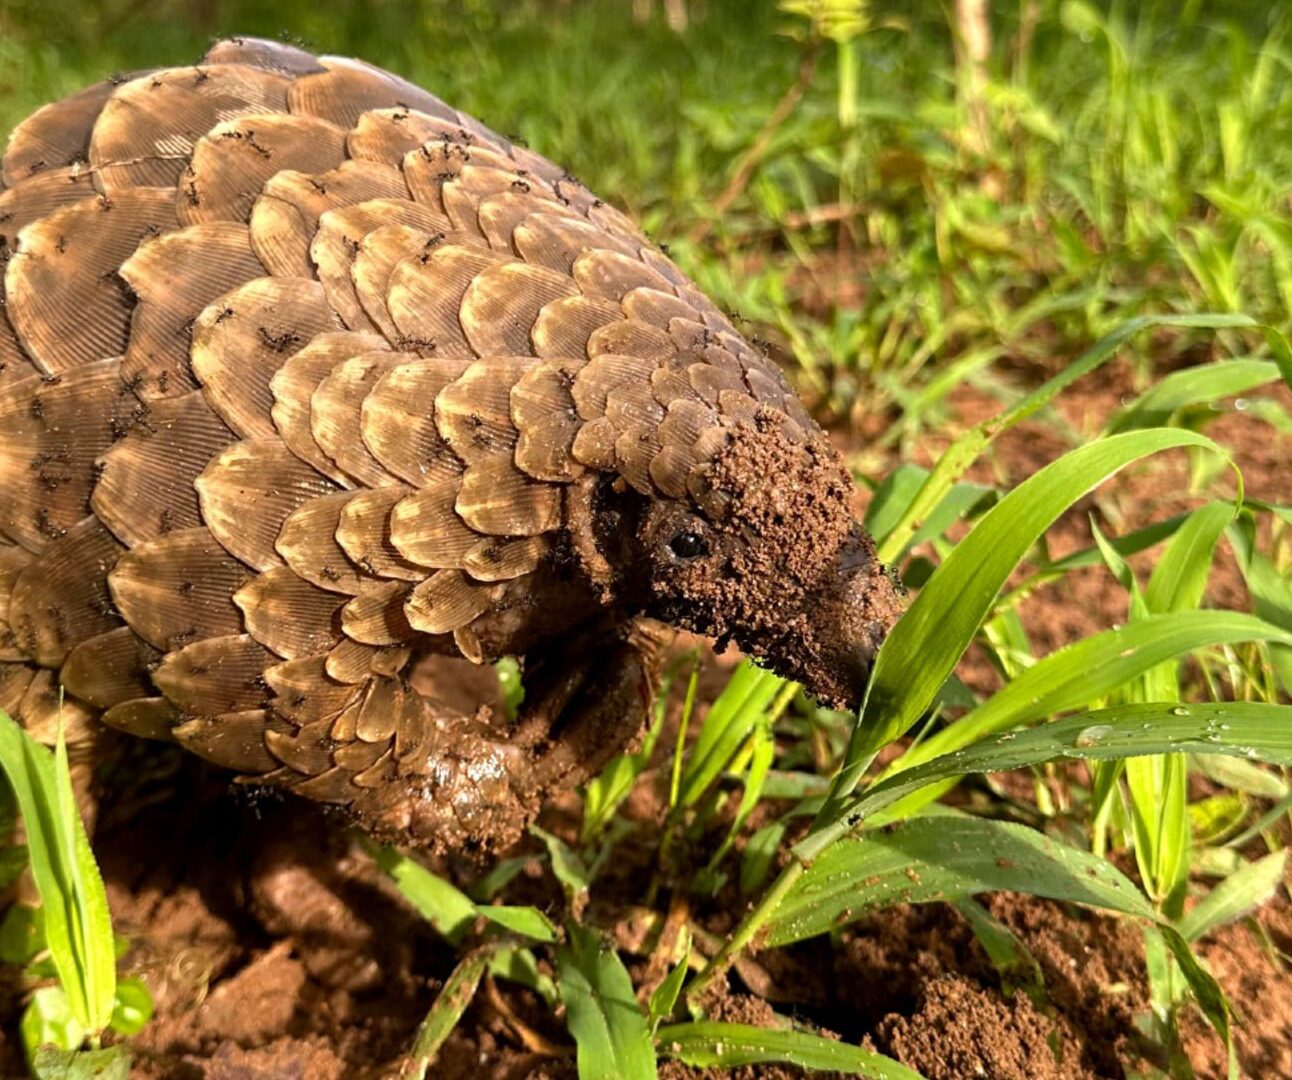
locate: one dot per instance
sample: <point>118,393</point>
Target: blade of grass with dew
<point>1193,386</point>
<point>944,858</point>
<point>610,1032</point>
<point>77,924</point>
<point>926,643</point>
<point>707,1044</point>
<point>1250,730</point>
<point>952,856</point>
<point>1158,786</point>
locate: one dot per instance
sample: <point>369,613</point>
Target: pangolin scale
<point>306,377</point>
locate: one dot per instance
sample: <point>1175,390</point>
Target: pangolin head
<point>762,551</point>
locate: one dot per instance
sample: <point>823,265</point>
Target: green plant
<point>70,935</point>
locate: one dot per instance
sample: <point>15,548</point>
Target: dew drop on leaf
<point>1093,735</point>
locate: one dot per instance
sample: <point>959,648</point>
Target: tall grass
<point>1130,160</point>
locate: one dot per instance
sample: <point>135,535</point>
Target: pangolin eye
<point>688,545</point>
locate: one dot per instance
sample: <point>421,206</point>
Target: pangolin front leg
<point>471,782</point>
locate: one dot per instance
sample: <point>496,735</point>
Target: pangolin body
<point>305,376</point>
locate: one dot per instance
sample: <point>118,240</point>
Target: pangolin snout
<point>847,616</point>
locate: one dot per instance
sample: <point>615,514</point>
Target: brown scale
<point>248,492</point>
<point>377,617</point>
<point>145,135</point>
<point>339,240</point>
<point>178,588</point>
<point>39,195</point>
<point>433,170</point>
<point>426,291</point>
<point>363,531</point>
<point>145,481</point>
<point>174,277</point>
<point>288,615</point>
<point>306,377</point>
<point>243,338</point>
<point>380,251</point>
<point>350,88</point>
<point>389,134</point>
<point>399,421</point>
<point>336,420</point>
<point>233,161</point>
<point>110,668</point>
<point>54,136</point>
<point>63,295</point>
<point>500,307</point>
<point>308,543</point>
<point>500,216</point>
<point>51,434</point>
<point>285,217</point>
<point>564,328</point>
<point>13,559</point>
<point>293,387</point>
<point>61,597</point>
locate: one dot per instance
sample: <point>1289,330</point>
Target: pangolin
<point>306,377</point>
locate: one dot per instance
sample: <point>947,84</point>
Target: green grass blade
<point>1253,730</point>
<point>944,858</point>
<point>95,949</point>
<point>927,642</point>
<point>609,1030</point>
<point>892,498</point>
<point>708,1044</point>
<point>1159,786</point>
<point>110,1064</point>
<point>1241,892</point>
<point>1180,576</point>
<point>77,925</point>
<point>664,999</point>
<point>521,966</point>
<point>1081,673</point>
<point>524,920</point>
<point>966,450</point>
<point>1016,966</point>
<point>444,906</point>
<point>1193,386</point>
<point>1211,998</point>
<point>568,867</point>
<point>451,1002</point>
<point>730,721</point>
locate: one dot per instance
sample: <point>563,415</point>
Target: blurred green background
<point>895,198</point>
